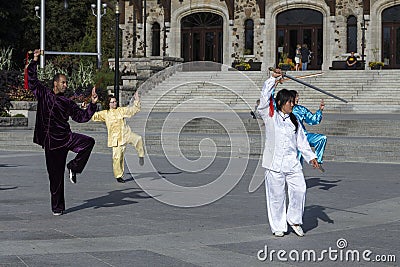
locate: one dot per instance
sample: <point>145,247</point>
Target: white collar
<point>283,115</point>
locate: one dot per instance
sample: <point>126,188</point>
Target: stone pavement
<point>111,224</point>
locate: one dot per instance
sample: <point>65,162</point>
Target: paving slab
<point>351,209</point>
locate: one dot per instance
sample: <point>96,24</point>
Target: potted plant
<point>242,65</point>
<point>285,63</point>
<point>375,65</point>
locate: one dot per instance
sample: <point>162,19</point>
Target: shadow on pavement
<point>323,184</point>
<point>8,188</point>
<point>312,214</point>
<point>154,175</point>
<point>112,199</point>
<point>8,166</point>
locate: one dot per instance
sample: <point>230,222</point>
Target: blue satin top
<point>304,115</point>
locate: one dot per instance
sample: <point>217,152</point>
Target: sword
<point>306,76</point>
<point>311,86</point>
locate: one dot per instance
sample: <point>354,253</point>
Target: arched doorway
<point>300,26</point>
<point>201,37</point>
<point>391,37</point>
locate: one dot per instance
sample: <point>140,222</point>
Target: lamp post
<point>363,29</point>
<point>41,8</point>
<point>42,28</point>
<point>116,72</point>
<point>144,27</point>
<point>98,15</point>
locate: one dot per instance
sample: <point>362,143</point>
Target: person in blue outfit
<point>304,115</point>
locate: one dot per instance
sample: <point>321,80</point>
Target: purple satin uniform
<point>53,133</point>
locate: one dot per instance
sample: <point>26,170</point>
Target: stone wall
<point>334,31</point>
<point>246,9</point>
<point>13,122</point>
<point>134,71</point>
<point>344,9</point>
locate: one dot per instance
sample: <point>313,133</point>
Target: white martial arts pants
<point>276,198</point>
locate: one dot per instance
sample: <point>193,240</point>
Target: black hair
<point>109,99</point>
<point>294,92</point>
<point>282,97</point>
<point>56,77</point>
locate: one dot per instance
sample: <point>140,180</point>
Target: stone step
<point>332,124</point>
<point>357,149</point>
<point>353,137</point>
<point>362,92</point>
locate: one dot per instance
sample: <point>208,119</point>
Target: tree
<point>10,28</point>
<point>67,29</point>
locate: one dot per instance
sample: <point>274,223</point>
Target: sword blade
<point>315,88</point>
<point>306,76</point>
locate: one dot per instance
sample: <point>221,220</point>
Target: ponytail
<point>294,121</point>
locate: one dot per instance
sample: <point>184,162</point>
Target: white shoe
<point>72,176</point>
<point>298,230</point>
<point>279,234</point>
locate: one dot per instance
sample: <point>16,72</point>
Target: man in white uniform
<point>283,138</point>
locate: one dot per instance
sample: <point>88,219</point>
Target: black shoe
<point>120,180</point>
<point>72,176</point>
<point>141,161</point>
<point>58,213</point>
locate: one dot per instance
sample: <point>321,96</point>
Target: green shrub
<point>4,114</point>
<point>18,115</point>
<point>5,58</point>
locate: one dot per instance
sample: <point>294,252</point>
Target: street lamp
<point>116,71</point>
<point>98,15</point>
<point>363,29</point>
<point>41,8</point>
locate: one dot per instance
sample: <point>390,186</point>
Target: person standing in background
<point>351,62</point>
<point>305,56</point>
<point>297,58</point>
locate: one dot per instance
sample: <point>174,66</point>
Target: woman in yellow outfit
<point>120,134</point>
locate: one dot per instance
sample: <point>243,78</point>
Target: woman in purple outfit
<point>53,132</point>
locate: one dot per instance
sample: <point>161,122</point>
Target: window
<point>351,34</point>
<point>155,39</point>
<point>249,37</point>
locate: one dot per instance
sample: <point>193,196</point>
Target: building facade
<point>162,32</point>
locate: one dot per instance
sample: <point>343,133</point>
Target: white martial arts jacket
<point>281,141</point>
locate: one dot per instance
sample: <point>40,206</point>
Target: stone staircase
<point>211,116</point>
<point>351,137</point>
<point>222,90</point>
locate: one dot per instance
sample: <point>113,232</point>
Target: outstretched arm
<point>316,118</point>
<point>94,97</point>
<point>84,115</point>
<point>268,91</point>
<point>132,109</point>
<point>322,105</point>
<point>100,116</point>
<point>37,88</point>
